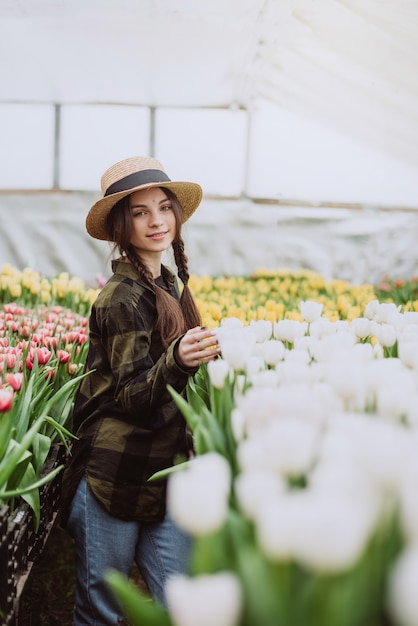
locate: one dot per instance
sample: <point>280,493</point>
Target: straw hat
<point>130,175</point>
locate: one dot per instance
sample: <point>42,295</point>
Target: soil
<point>48,596</point>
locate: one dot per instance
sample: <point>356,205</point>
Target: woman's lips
<point>157,236</point>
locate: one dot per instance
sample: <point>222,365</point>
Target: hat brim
<point>188,194</point>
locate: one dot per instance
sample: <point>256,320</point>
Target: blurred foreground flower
<point>198,496</point>
<point>204,600</point>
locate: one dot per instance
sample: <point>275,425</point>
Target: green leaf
<point>69,387</point>
<point>22,411</point>
<point>19,469</point>
<point>139,608</point>
<point>6,429</point>
<point>31,496</point>
<point>4,495</point>
<point>8,463</point>
<point>190,415</point>
<point>41,446</point>
<point>197,395</point>
<point>169,470</point>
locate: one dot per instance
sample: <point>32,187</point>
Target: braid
<point>190,311</point>
<point>143,271</point>
<point>181,260</point>
<point>170,321</point>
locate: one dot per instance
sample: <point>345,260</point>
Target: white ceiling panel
<point>349,65</point>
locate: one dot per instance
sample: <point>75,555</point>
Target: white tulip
<point>238,425</point>
<point>333,345</point>
<point>236,353</point>
<point>197,497</point>
<point>392,399</point>
<point>311,311</point>
<point>379,446</point>
<point>363,351</point>
<point>322,327</point>
<point>361,327</point>
<point>275,526</point>
<point>289,330</point>
<point>218,371</point>
<point>231,323</point>
<point>250,455</point>
<point>411,317</point>
<point>308,344</point>
<point>326,533</point>
<point>371,309</point>
<point>409,332</point>
<point>385,334</point>
<point>408,352</point>
<point>378,351</point>
<point>348,378</point>
<point>342,326</point>
<point>263,329</point>
<point>411,412</point>
<point>325,397</point>
<point>337,530</point>
<point>402,595</point>
<point>258,405</point>
<point>290,445</point>
<point>253,365</point>
<point>272,351</point>
<point>240,385</point>
<point>383,449</point>
<point>409,500</point>
<point>214,466</point>
<point>341,473</point>
<point>204,600</point>
<point>266,378</point>
<point>337,447</point>
<point>255,487</point>
<point>385,311</point>
<point>289,372</point>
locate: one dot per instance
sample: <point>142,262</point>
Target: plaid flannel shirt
<point>128,426</point>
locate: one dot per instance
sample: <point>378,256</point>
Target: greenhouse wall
<point>46,232</point>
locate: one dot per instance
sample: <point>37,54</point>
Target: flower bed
<point>293,345</point>
<point>20,543</point>
<point>42,354</point>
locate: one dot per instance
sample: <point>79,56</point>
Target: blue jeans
<point>102,542</point>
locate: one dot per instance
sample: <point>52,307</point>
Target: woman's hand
<point>199,345</point>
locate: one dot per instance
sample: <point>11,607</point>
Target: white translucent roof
<point>317,99</point>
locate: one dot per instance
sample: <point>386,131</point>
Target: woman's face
<point>153,222</point>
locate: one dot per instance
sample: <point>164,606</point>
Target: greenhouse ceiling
<point>348,65</point>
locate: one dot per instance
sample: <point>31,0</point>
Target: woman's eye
<point>166,207</point>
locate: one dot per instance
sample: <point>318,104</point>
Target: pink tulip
<point>11,361</point>
<point>15,380</point>
<point>6,400</point>
<point>25,331</point>
<point>63,356</point>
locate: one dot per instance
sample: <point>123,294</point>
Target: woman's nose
<point>156,218</point>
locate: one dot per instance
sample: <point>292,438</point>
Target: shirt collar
<point>127,269</point>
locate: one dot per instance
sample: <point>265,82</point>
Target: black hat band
<point>136,179</point>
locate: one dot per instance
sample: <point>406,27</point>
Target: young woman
<point>143,337</point>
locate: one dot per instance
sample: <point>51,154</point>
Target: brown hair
<point>173,318</point>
